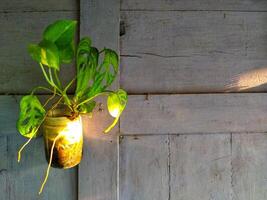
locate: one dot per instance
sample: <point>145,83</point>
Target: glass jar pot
<point>66,136</point>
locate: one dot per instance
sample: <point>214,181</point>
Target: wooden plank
<point>18,73</point>
<point>206,113</point>
<point>31,6</point>
<point>249,166</point>
<point>3,168</point>
<point>98,170</point>
<point>144,172</point>
<point>193,52</point>
<point>24,179</point>
<point>244,5</point>
<point>9,106</point>
<point>200,167</point>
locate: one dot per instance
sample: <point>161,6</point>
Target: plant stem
<point>43,88</point>
<point>50,98</point>
<point>112,125</point>
<point>57,79</point>
<point>91,98</point>
<point>51,82</point>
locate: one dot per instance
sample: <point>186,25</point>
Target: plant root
<point>49,165</point>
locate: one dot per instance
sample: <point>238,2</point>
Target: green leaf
<point>87,107</point>
<point>116,103</point>
<point>61,32</point>
<point>105,73</point>
<point>35,52</point>
<point>31,115</point>
<point>66,54</point>
<point>87,62</point>
<point>49,54</point>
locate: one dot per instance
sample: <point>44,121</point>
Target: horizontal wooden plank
<point>200,167</point>
<point>188,52</point>
<point>256,5</point>
<point>144,172</point>
<point>203,113</point>
<point>18,73</point>
<point>249,166</point>
<point>24,179</point>
<point>49,5</point>
<point>9,106</point>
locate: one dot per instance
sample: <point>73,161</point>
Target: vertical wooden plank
<point>24,179</point>
<point>249,166</point>
<point>3,168</point>
<point>98,170</point>
<point>200,167</point>
<point>144,168</point>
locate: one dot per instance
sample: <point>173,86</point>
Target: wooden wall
<point>184,137</point>
<point>181,136</point>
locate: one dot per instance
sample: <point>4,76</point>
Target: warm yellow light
<point>72,132</point>
<point>115,111</point>
<point>250,79</point>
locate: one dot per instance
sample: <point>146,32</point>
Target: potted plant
<point>61,121</point>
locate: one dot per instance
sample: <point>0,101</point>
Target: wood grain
<point>200,167</point>
<point>193,52</point>
<point>24,179</point>
<point>18,73</point>
<point>249,166</point>
<point>3,168</point>
<point>35,6</point>
<point>240,5</point>
<point>144,168</point>
<point>98,170</point>
<point>205,113</point>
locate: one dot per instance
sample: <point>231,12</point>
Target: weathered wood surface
<point>98,170</point>
<point>193,52</point>
<point>235,5</point>
<point>9,106</point>
<point>23,180</point>
<point>3,168</point>
<point>18,73</point>
<point>35,6</point>
<point>205,113</point>
<point>144,171</point>
<point>249,166</point>
<point>200,167</point>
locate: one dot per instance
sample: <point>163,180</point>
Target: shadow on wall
<point>254,79</point>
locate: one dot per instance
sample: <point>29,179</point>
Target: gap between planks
<point>193,10</point>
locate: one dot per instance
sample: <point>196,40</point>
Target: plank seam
<point>33,11</point>
<point>169,167</point>
<point>186,134</point>
<point>193,10</point>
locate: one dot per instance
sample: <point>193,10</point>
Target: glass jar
<point>67,136</point>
